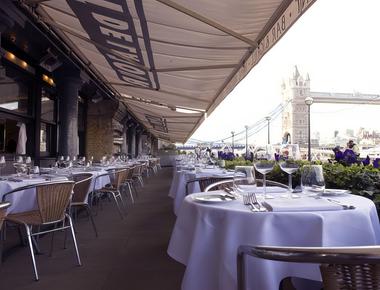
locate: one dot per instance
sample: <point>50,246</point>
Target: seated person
<point>338,154</point>
<point>349,157</point>
<point>351,145</point>
<point>366,161</point>
<point>376,163</point>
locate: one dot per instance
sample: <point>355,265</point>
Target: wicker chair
<point>152,165</point>
<point>137,174</point>
<point>3,214</point>
<point>204,182</point>
<point>158,163</point>
<point>117,178</point>
<point>228,183</point>
<point>342,268</point>
<point>128,182</point>
<point>52,201</point>
<point>81,192</point>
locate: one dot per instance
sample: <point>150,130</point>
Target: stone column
<point>154,146</point>
<point>138,143</point>
<point>132,141</point>
<point>124,146</point>
<point>68,87</point>
<point>99,133</point>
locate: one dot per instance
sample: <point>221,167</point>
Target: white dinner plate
<point>332,192</point>
<point>213,198</point>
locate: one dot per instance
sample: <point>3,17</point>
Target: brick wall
<point>100,128</point>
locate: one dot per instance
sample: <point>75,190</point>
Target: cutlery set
<point>251,201</point>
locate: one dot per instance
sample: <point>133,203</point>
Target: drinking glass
<point>264,161</point>
<point>28,164</point>
<point>287,161</point>
<point>312,180</point>
<point>19,166</point>
<point>244,179</point>
<point>35,170</point>
<point>2,163</point>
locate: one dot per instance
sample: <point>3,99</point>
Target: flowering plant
<point>226,155</point>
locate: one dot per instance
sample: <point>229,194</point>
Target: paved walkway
<point>128,254</point>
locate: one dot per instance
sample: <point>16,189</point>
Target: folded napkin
<point>300,204</point>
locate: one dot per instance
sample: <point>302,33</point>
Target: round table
<point>206,238</point>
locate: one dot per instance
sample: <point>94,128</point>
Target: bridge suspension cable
<point>252,129</point>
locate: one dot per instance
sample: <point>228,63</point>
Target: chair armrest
<point>319,255</point>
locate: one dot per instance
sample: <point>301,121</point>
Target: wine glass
<point>28,164</point>
<point>287,161</point>
<point>2,163</point>
<point>244,180</point>
<point>19,166</point>
<point>263,160</point>
<point>91,160</point>
<point>312,180</point>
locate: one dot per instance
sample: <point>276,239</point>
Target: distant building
<point>294,116</point>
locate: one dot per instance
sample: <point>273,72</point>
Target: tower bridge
<point>294,116</point>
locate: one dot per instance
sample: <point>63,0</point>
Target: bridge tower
<point>294,117</point>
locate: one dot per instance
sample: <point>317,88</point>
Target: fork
<point>247,201</point>
<point>256,204</point>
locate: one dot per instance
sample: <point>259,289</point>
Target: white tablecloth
<point>181,177</point>
<point>206,237</point>
<point>23,200</point>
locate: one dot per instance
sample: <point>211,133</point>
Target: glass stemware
<point>244,179</point>
<point>19,166</point>
<point>28,165</point>
<point>264,161</point>
<point>287,161</point>
<point>2,163</point>
<point>312,180</point>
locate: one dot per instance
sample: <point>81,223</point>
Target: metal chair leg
<point>141,180</point>
<point>130,192</point>
<point>88,209</point>
<point>117,205</point>
<point>2,239</point>
<point>29,235</point>
<point>52,241</point>
<point>74,239</point>
<point>121,198</point>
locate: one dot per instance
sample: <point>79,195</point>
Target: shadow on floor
<point>128,254</point>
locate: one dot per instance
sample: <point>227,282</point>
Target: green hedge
<point>361,180</point>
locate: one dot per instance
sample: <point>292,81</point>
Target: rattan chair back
<point>81,187</point>
<point>342,268</point>
<point>130,173</point>
<point>228,183</point>
<point>204,182</point>
<point>53,199</point>
<point>137,170</point>
<point>345,277</point>
<point>120,177</point>
<point>3,212</point>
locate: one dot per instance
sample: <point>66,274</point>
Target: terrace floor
<point>128,254</point>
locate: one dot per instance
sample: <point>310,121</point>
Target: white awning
<point>166,57</point>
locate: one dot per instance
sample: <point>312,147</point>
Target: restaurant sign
<point>112,29</point>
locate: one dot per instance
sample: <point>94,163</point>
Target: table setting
<point>211,225</point>
<point>209,230</point>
